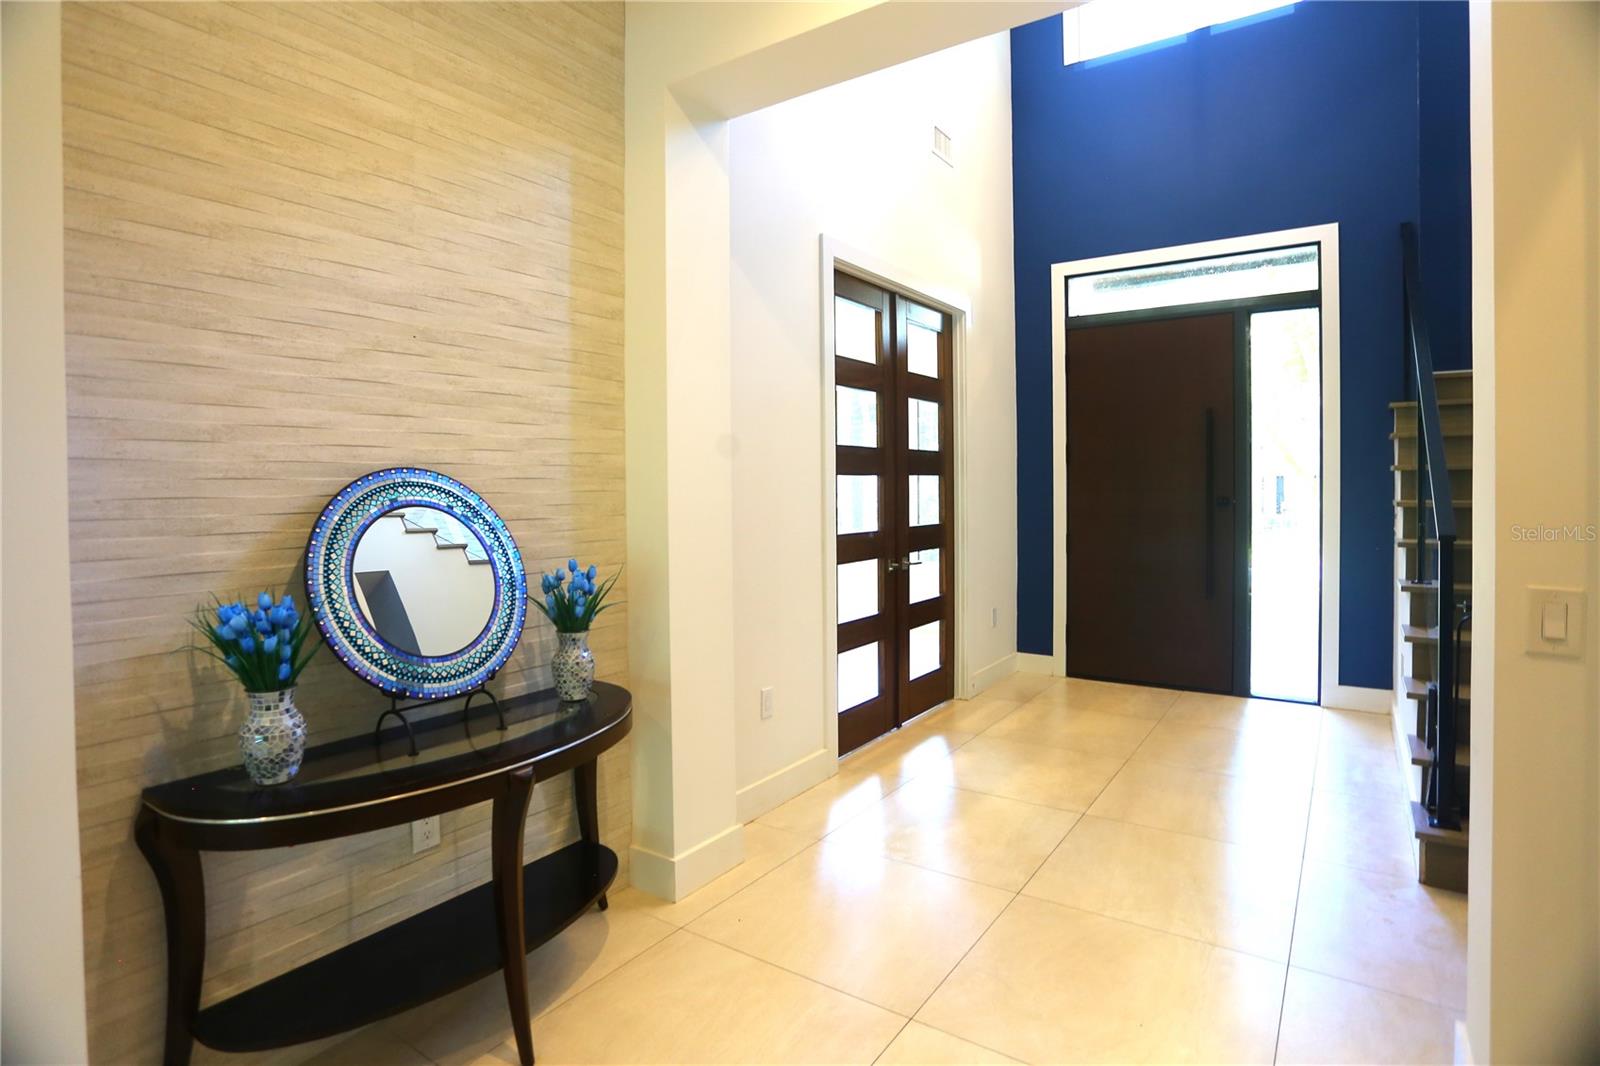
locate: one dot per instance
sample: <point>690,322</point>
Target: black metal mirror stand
<point>398,709</point>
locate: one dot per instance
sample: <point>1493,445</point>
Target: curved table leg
<point>584,780</point>
<point>183,899</point>
<point>510,813</point>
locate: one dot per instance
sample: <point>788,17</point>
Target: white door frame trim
<point>1327,236</point>
<point>836,254</point>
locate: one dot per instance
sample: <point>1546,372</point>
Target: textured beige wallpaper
<point>305,241</point>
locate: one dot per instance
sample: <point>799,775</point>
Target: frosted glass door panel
<point>855,417</point>
<point>923,575</point>
<point>922,350</point>
<point>858,676</point>
<point>858,503</point>
<point>855,330</point>
<point>922,423</point>
<point>924,499</point>
<point>924,658</point>
<point>858,590</point>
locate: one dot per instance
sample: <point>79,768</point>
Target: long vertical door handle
<point>1211,497</point>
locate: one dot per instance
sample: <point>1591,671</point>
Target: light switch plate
<point>768,698</point>
<point>1544,606</point>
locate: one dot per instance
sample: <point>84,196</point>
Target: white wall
<point>1534,924</point>
<point>447,599</point>
<point>43,1018</point>
<point>854,162</point>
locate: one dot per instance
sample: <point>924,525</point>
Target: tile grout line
<point>1079,820</point>
<point>796,973</point>
<point>1195,836</point>
<point>881,800</point>
<point>885,1049</point>
<point>572,996</point>
<point>745,888</point>
<point>1098,792</point>
<point>957,965</point>
<point>1014,894</point>
<point>1299,887</point>
<point>946,1032</point>
<point>1080,816</point>
<point>1168,932</point>
<point>1435,1004</point>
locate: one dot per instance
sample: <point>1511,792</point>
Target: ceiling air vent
<point>941,147</point>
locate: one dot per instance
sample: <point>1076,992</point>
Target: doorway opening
<point>894,507</point>
<point>1193,437</point>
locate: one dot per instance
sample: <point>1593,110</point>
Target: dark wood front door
<point>894,502</point>
<point>1151,532</point>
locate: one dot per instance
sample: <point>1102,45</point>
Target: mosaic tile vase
<point>273,737</point>
<point>574,667</point>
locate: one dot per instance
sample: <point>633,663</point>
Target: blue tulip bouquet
<point>572,598</point>
<point>264,647</point>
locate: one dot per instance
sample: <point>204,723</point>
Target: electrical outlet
<point>424,834</point>
<point>767,700</point>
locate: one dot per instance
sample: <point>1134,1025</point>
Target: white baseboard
<point>757,799</point>
<point>1028,663</point>
<point>1355,698</point>
<point>1463,1045</point>
<point>998,670</point>
<point>674,877</point>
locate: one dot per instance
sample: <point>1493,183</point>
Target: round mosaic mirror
<point>416,583</point>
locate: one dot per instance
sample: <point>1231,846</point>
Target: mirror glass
<point>423,581</point>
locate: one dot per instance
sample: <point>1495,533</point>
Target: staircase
<point>1432,438</point>
<point>448,533</point>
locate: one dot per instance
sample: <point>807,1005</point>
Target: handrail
<point>1432,467</point>
<point>1427,395</point>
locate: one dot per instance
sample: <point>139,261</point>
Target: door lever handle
<point>1211,494</point>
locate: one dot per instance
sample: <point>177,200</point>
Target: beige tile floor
<point>1057,871</point>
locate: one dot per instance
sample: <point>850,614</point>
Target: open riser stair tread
<point>444,538</point>
<point>1417,689</point>
<point>1430,634</point>
<point>1411,405</point>
<point>1429,588</point>
<point>1424,831</point>
<point>1456,424</point>
<point>1457,452</point>
<point>1431,446</point>
<point>1458,503</point>
<point>1422,754</point>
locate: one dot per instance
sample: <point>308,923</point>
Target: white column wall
<point>1534,919</point>
<point>41,927</point>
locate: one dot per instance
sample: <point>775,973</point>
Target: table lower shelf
<point>409,963</point>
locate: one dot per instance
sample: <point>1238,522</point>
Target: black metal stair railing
<point>1436,525</point>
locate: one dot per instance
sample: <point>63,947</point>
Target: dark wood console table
<point>363,783</point>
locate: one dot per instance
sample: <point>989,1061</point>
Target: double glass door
<point>894,503</point>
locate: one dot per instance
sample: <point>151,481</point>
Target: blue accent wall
<point>1445,180</point>
<point>1354,113</point>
